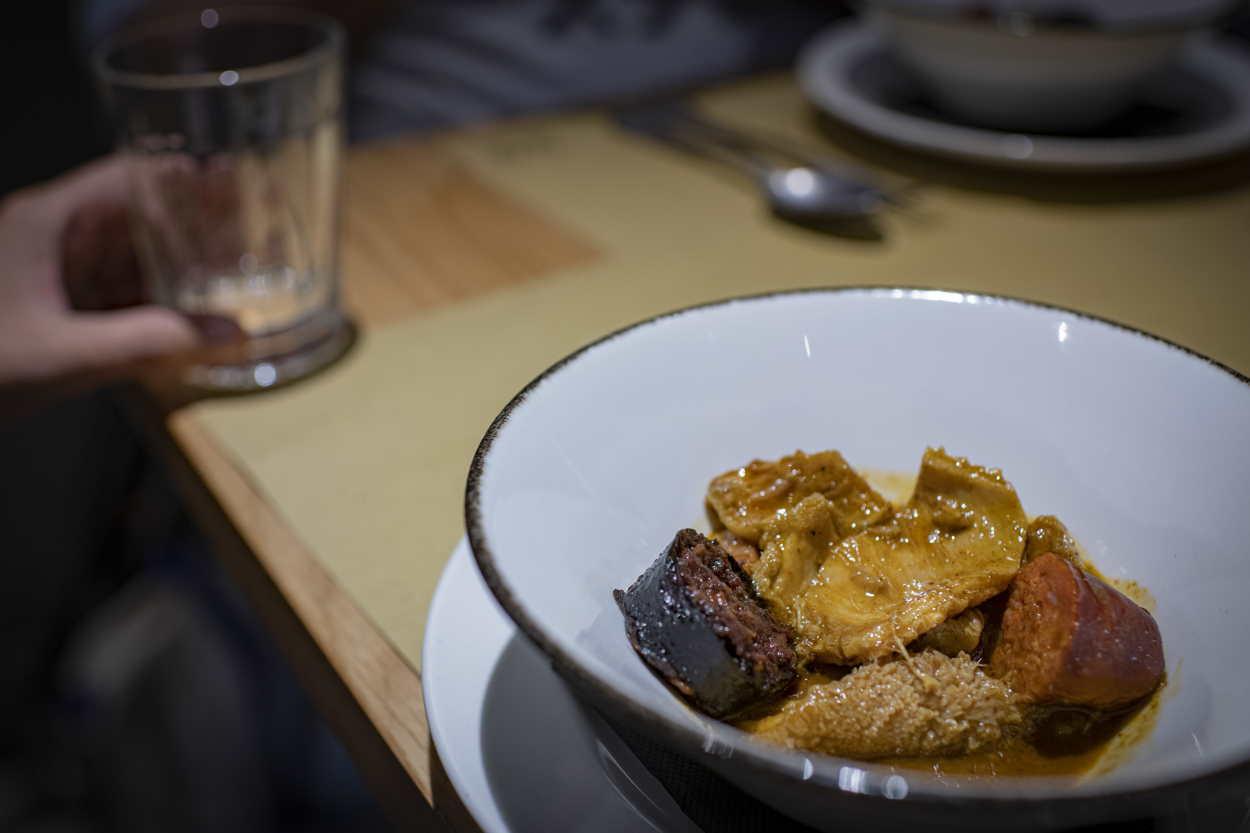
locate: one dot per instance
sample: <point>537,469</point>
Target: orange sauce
<point>1064,744</point>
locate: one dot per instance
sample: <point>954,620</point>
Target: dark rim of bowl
<point>685,737</point>
<point>1018,21</point>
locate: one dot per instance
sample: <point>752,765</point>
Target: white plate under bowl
<point>1141,447</point>
<point>522,753</point>
<point>1197,111</point>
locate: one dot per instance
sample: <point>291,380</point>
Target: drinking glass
<point>231,123</point>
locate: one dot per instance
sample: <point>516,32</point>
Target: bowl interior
<point>1137,445</point>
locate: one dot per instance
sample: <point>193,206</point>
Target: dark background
<point>137,692</point>
<point>52,118</point>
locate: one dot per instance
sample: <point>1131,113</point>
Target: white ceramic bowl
<point>1016,72</point>
<point>1138,445</point>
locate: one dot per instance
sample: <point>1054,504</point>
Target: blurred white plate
<point>1199,110</point>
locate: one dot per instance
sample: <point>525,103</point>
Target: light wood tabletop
<point>534,236</point>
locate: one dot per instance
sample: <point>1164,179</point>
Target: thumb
<point>100,340</point>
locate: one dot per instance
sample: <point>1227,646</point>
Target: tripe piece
<point>958,635</point>
<point>792,549</point>
<point>1048,534</point>
<point>747,499</point>
<point>957,543</point>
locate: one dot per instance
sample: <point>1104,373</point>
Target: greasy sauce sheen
<point>1099,749</point>
<point>1015,757</point>
<point>1065,745</point>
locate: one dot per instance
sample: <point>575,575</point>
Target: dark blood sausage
<point>1069,639</point>
<point>695,619</point>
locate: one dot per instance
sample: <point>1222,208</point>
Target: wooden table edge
<point>362,686</point>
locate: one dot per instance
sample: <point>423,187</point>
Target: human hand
<point>69,283</point>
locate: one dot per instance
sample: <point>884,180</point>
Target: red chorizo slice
<point>1069,639</point>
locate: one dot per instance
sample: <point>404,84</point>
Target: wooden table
<point>446,222</point>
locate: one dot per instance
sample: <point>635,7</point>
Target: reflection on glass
<point>232,123</point>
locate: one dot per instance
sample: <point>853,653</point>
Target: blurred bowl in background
<point>1057,67</point>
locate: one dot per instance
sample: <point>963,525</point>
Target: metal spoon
<point>813,195</point>
<point>799,187</point>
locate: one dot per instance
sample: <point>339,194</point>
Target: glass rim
<point>328,50</point>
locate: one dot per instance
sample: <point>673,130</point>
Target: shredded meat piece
<point>924,705</point>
